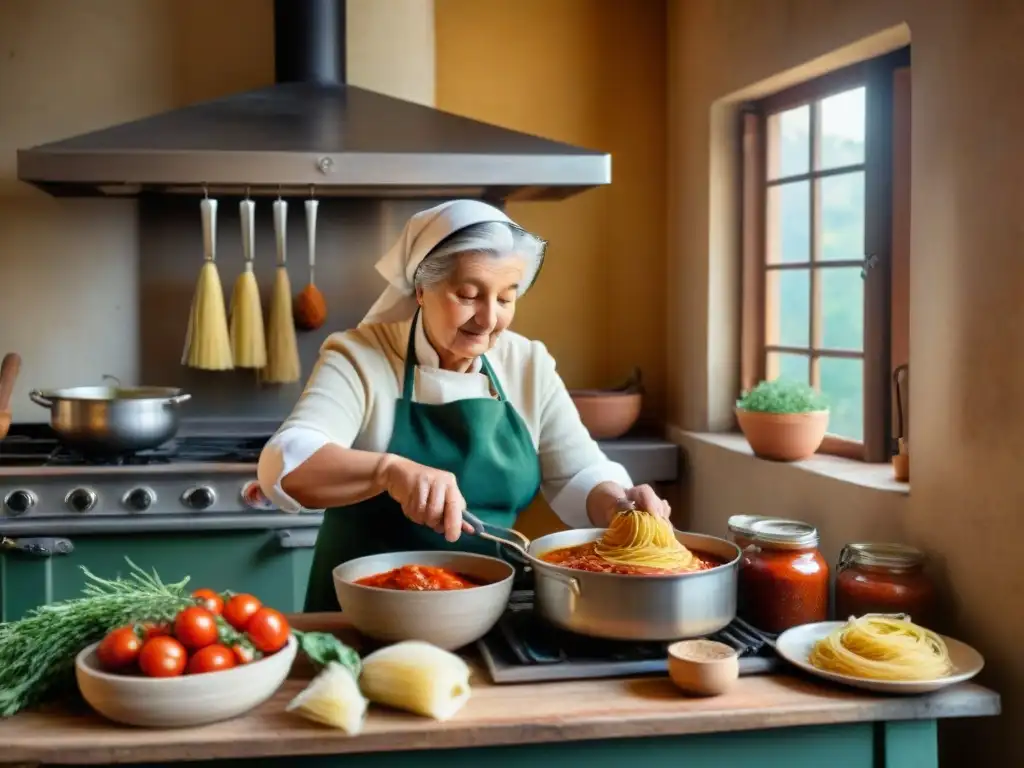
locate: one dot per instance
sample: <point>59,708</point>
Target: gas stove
<point>197,474</point>
<point>523,648</point>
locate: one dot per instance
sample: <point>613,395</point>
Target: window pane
<point>842,381</point>
<point>784,365</point>
<point>842,308</point>
<point>842,216</point>
<point>788,306</point>
<point>789,223</point>
<point>842,129</point>
<point>790,135</point>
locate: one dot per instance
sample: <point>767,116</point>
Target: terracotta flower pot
<point>783,436</point>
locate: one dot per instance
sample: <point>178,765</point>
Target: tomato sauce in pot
<point>582,557</point>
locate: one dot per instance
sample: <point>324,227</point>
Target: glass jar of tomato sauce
<point>783,579</point>
<point>884,578</point>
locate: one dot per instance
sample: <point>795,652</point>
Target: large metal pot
<point>636,607</point>
<point>112,420</point>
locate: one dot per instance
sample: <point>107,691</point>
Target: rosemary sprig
<point>37,653</point>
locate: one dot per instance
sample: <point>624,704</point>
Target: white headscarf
<point>422,233</point>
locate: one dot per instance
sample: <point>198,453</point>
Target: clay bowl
<point>607,414</point>
<point>783,436</point>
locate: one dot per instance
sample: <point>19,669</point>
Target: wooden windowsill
<point>876,476</point>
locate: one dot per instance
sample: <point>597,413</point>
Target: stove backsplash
<point>351,236</point>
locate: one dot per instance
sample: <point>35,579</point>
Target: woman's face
<point>464,314</point>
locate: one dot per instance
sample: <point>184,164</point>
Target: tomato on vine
<point>210,600</point>
<point>195,627</point>
<point>120,649</point>
<point>163,657</point>
<point>212,658</point>
<point>239,609</point>
<point>268,630</point>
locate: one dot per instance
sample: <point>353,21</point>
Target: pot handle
<point>36,396</point>
<point>521,548</point>
<point>177,400</point>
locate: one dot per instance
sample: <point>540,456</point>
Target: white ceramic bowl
<point>179,702</point>
<point>449,619</point>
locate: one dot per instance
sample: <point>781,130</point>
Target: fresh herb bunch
<point>782,396</point>
<point>37,653</point>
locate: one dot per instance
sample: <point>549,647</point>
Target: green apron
<point>482,441</point>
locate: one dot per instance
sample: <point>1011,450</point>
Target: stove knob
<point>19,502</point>
<point>199,498</point>
<point>139,499</point>
<point>81,499</point>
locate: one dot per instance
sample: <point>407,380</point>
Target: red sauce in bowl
<point>420,578</point>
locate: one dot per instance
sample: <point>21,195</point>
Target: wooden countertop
<point>495,715</point>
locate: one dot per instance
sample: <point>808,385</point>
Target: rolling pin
<point>9,370</point>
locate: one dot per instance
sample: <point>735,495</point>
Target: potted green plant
<point>783,420</point>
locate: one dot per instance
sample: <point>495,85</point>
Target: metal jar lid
<point>881,555</point>
<point>743,524</point>
<point>784,534</point>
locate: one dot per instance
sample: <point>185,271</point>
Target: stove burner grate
<point>48,451</point>
<point>525,648</point>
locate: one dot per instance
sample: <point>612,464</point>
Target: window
<point>821,245</point>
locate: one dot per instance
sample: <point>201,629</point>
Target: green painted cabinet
<point>273,565</point>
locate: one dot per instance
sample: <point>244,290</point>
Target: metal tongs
<point>510,538</point>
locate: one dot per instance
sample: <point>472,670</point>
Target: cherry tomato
<point>163,657</point>
<point>153,629</point>
<point>120,649</point>
<point>212,658</point>
<point>268,630</point>
<point>195,627</point>
<point>211,601</point>
<point>239,609</point>
<point>244,654</point>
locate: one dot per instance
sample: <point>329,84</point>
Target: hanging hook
<point>279,191</point>
<point>206,192</point>
<point>312,196</point>
<point>247,193</point>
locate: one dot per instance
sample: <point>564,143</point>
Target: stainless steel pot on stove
<point>618,607</point>
<point>112,420</point>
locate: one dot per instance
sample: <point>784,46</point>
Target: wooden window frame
<point>878,75</point>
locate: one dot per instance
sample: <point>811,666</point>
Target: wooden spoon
<point>310,306</point>
<point>9,370</point>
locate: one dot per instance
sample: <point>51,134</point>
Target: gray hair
<point>499,239</point>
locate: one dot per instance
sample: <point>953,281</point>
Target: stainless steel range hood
<point>311,129</point>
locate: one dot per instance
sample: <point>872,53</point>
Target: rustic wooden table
<point>768,720</point>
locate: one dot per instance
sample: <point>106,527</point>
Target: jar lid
<point>784,534</point>
<point>741,523</point>
<point>881,554</point>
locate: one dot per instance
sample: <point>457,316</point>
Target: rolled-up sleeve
<point>571,461</point>
<point>331,409</point>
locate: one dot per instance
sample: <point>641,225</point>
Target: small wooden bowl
<point>703,667</point>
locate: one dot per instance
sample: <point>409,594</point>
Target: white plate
<point>794,645</point>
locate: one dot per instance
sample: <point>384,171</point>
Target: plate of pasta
<point>880,652</point>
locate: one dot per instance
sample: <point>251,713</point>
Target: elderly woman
<point>432,407</point>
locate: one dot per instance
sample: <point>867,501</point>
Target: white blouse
<point>350,400</point>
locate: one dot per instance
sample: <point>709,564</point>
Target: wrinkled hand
<point>647,500</point>
<point>428,496</point>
